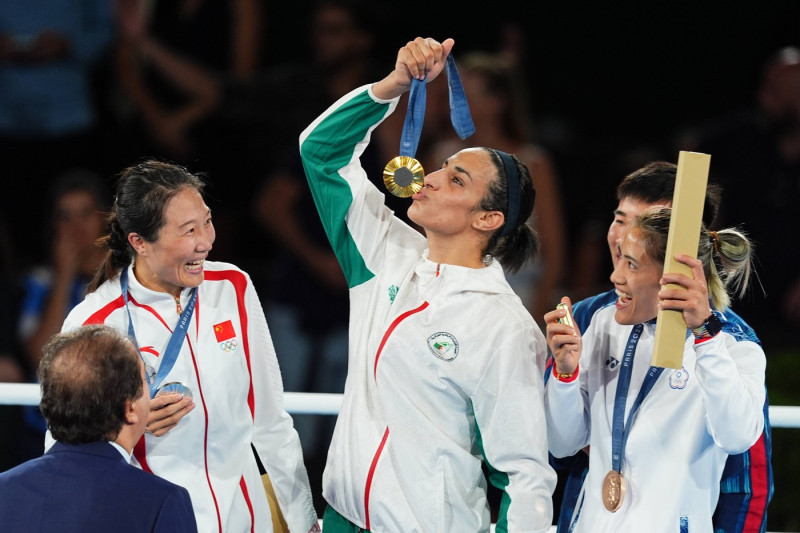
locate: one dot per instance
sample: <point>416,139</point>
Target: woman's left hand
<point>693,301</point>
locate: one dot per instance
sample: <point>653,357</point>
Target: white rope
<point>780,416</point>
<point>317,403</point>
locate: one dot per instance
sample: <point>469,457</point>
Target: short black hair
<point>655,182</point>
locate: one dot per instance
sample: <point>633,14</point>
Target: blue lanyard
<point>175,341</point>
<point>415,116</point>
<point>619,430</point>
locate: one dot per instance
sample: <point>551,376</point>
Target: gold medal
<point>403,176</point>
<point>613,490</point>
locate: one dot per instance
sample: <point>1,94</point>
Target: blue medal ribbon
<point>620,430</point>
<point>175,341</point>
<point>415,115</point>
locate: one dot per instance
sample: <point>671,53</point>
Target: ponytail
<point>731,249</point>
<point>119,254</point>
<point>515,242</point>
<point>726,255</point>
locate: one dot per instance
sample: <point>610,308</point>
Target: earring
<point>487,260</point>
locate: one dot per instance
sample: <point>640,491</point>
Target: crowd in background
<point>90,87</point>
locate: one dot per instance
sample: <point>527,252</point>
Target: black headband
<point>512,181</point>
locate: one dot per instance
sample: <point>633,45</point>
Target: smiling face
<point>636,278</point>
<point>628,209</point>
<point>449,201</point>
<point>175,259</point>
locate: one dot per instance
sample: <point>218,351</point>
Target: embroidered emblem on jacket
<point>393,292</point>
<point>678,378</point>
<point>612,362</point>
<point>226,336</point>
<point>443,345</point>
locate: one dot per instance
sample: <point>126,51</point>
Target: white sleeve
<point>509,413</point>
<point>274,436</point>
<point>567,407</point>
<point>731,376</point>
<point>567,413</point>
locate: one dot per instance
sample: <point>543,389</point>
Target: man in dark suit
<point>96,403</point>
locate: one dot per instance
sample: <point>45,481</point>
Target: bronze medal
<point>613,491</point>
<point>403,176</point>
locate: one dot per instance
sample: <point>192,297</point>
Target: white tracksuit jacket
<point>238,393</point>
<point>444,370</point>
<point>681,435</point>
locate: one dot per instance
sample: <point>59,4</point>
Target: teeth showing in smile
<point>622,298</point>
<point>194,266</point>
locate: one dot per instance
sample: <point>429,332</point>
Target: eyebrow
<point>459,169</point>
<point>631,258</point>
<point>462,170</point>
<point>208,212</point>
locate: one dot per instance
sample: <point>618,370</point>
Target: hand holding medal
<point>404,175</point>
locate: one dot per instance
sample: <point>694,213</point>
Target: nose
<point>207,236</point>
<point>432,179</point>
<point>616,275</point>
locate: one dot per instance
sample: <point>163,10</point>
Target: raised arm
<point>419,58</point>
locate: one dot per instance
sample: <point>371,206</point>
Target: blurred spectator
<point>304,290</point>
<point>498,103</point>
<point>11,367</point>
<point>75,219</point>
<point>78,201</point>
<point>48,53</point>
<point>221,39</point>
<point>755,155</point>
<point>12,364</point>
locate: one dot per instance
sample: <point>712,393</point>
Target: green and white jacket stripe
<point>444,371</point>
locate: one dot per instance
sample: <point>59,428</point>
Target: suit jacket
<point>90,488</point>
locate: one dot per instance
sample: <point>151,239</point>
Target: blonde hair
<point>726,255</point>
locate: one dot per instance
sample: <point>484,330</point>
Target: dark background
<point>629,71</point>
<point>612,85</point>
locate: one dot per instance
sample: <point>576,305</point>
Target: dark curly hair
<point>87,376</point>
<point>143,192</point>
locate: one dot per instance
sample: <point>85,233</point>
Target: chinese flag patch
<point>224,331</point>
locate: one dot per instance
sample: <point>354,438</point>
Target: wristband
<point>566,378</point>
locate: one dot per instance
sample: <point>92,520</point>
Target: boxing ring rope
<point>308,403</point>
<point>317,403</point>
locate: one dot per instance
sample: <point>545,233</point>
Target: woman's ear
<point>489,221</point>
<point>137,243</point>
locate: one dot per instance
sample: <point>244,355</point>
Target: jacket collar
<point>98,448</point>
<point>489,279</point>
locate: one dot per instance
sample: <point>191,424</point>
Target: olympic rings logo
<point>229,345</point>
